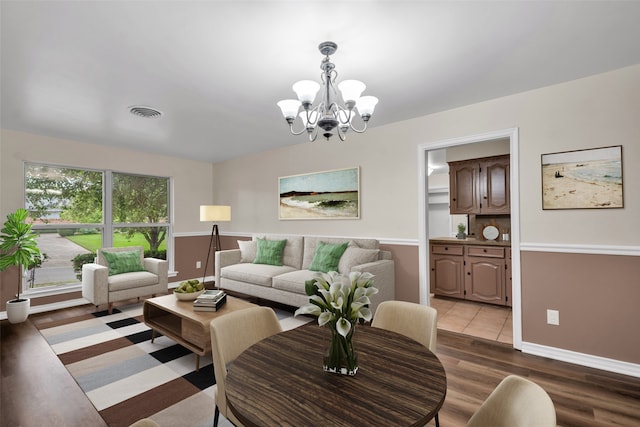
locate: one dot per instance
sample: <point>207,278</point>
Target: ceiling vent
<point>147,112</point>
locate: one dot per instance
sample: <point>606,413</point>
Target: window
<point>76,211</point>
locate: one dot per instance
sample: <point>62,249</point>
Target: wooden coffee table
<point>177,320</point>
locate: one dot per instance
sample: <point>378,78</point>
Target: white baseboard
<point>582,359</point>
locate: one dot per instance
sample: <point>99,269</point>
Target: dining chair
<point>515,402</point>
<point>231,334</point>
<point>416,321</point>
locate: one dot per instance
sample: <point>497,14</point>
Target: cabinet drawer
<point>485,251</point>
<point>447,249</point>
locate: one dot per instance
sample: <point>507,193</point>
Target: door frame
<point>423,216</point>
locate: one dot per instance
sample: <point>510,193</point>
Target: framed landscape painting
<point>583,179</point>
<point>333,194</point>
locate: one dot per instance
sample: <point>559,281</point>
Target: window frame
<point>107,227</point>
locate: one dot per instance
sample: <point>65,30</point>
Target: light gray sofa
<point>235,270</point>
<point>100,288</point>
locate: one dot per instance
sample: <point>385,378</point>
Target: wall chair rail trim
<point>581,249</point>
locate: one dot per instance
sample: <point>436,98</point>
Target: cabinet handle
<point>484,250</point>
<point>468,273</point>
<point>446,248</point>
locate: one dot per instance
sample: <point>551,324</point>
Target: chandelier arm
<point>358,130</point>
<point>313,135</point>
<point>294,132</point>
<point>342,134</point>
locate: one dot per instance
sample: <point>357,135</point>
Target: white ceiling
<point>216,69</point>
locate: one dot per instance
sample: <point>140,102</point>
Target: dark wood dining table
<point>280,381</point>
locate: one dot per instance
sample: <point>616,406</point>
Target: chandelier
<point>328,115</point>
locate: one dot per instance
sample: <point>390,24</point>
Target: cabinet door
<point>494,177</point>
<point>484,280</point>
<point>447,275</point>
<point>463,188</point>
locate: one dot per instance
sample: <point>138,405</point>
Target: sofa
<point>123,273</point>
<point>239,270</point>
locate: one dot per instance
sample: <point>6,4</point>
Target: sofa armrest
<point>95,286</point>
<point>225,258</point>
<point>160,268</point>
<point>384,280</point>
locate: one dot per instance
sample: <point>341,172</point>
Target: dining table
<point>280,381</point>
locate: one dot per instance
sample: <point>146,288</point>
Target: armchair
<point>123,273</point>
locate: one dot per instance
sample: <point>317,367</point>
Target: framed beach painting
<point>333,194</point>
<point>583,179</point>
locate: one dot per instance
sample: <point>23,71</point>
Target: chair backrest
<point>232,334</point>
<point>416,321</point>
<point>515,402</point>
<point>100,259</point>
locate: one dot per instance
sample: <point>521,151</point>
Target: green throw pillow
<point>123,262</point>
<point>269,251</point>
<point>327,257</point>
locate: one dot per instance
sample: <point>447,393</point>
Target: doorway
<point>424,216</point>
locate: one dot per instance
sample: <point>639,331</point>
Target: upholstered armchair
<point>123,273</point>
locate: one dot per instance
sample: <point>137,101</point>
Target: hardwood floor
<point>37,390</point>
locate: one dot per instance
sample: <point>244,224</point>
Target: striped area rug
<point>127,378</point>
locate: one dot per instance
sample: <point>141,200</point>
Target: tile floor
<point>476,319</point>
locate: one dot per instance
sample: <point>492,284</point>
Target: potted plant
<point>461,231</point>
<point>18,247</point>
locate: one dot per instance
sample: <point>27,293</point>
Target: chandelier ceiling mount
<point>329,115</point>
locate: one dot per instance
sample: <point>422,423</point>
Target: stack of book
<point>210,300</point>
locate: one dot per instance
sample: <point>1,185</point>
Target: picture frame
<point>332,194</point>
<point>583,179</point>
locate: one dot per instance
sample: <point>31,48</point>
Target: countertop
<point>470,241</point>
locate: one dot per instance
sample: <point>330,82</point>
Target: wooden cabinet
<point>472,272</point>
<point>447,270</point>
<point>480,186</point>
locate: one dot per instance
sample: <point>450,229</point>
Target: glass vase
<point>340,357</point>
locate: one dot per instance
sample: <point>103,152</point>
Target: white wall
<point>592,112</point>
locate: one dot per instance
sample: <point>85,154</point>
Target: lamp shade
<point>289,107</point>
<point>351,89</point>
<point>366,105</point>
<point>215,213</point>
<point>306,90</point>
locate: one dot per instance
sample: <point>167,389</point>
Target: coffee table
<point>176,320</point>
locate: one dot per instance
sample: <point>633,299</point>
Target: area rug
<point>126,377</point>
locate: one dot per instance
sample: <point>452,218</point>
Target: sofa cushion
<point>269,252</point>
<point>248,250</point>
<point>355,255</point>
<point>293,281</point>
<point>310,244</point>
<point>327,256</point>
<point>123,262</point>
<point>292,255</point>
<point>136,279</point>
<point>257,274</point>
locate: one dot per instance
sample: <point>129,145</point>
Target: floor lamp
<point>213,213</point>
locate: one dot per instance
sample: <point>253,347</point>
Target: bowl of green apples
<point>189,290</point>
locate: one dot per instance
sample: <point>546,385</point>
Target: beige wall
<point>587,113</point>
